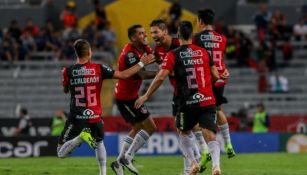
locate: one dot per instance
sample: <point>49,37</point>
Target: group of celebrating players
<point>196,69</point>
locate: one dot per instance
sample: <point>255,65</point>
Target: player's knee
<point>183,133</point>
<point>209,135</point>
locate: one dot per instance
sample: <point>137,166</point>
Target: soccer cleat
<point>117,167</point>
<point>86,136</point>
<point>128,163</point>
<point>194,169</point>
<point>229,150</point>
<point>216,170</point>
<point>205,158</point>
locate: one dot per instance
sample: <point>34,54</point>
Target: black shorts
<point>174,109</point>
<point>73,128</point>
<point>130,113</point>
<point>187,118</point>
<point>219,95</point>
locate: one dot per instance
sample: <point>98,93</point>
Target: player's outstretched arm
<point>155,84</point>
<point>145,60</point>
<point>144,74</point>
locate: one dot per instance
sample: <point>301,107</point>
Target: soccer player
<point>215,44</point>
<point>126,93</point>
<point>163,44</point>
<point>84,80</point>
<point>192,67</point>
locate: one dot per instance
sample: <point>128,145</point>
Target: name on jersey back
<point>84,80</point>
<point>210,41</point>
<point>196,54</point>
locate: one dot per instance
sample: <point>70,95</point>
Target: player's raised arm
<point>145,60</point>
<point>155,84</point>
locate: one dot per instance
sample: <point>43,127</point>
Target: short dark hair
<point>81,47</point>
<point>159,23</point>
<point>24,111</point>
<point>206,16</point>
<point>185,30</point>
<point>132,30</point>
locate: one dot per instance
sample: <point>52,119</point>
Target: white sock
<point>225,132</point>
<point>186,161</point>
<point>186,142</point>
<point>126,144</point>
<point>214,150</point>
<point>186,165</point>
<point>68,147</point>
<point>201,141</point>
<point>195,148</point>
<point>101,156</point>
<point>139,140</point>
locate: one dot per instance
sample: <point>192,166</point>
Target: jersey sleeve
<point>106,72</point>
<point>131,59</point>
<point>65,77</point>
<point>169,62</point>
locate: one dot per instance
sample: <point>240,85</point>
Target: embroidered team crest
<point>144,110</point>
<point>130,54</point>
<point>131,57</point>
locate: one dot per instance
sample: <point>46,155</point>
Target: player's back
<point>215,44</point>
<point>84,82</point>
<point>192,69</point>
<point>128,89</point>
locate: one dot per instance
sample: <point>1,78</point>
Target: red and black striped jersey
<point>161,52</point>
<point>84,82</point>
<point>192,67</point>
<point>128,89</point>
<point>215,44</point>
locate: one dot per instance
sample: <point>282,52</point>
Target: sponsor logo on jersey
<point>198,97</point>
<point>191,53</point>
<point>87,114</point>
<point>210,37</point>
<point>83,71</point>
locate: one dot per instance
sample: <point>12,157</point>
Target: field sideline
<point>242,164</point>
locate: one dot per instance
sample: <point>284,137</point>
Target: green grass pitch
<point>242,164</point>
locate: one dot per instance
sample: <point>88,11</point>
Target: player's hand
<point>140,101</point>
<point>225,75</point>
<point>147,59</point>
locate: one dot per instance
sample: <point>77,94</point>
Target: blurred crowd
<point>18,42</point>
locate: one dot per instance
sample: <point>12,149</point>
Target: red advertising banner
<point>288,123</point>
